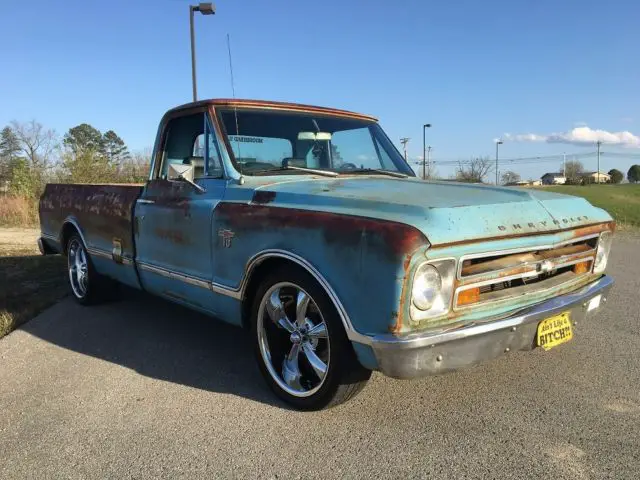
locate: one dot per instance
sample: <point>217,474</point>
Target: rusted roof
<point>266,104</point>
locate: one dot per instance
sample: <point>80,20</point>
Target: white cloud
<point>580,136</point>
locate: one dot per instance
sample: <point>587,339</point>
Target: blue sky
<point>475,70</point>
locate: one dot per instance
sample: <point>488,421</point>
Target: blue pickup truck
<point>305,226</point>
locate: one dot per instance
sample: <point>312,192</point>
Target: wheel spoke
<point>314,360</point>
<point>83,257</point>
<point>302,303</point>
<point>318,331</point>
<point>276,313</point>
<point>290,368</point>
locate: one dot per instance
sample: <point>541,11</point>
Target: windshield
<point>269,142</point>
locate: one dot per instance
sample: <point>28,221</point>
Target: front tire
<point>300,343</point>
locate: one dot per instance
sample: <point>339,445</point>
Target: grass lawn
<point>29,282</point>
<point>621,201</point>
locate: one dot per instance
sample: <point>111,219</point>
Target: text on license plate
<point>554,331</point>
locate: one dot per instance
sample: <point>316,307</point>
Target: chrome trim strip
<point>511,251</point>
<point>469,278</point>
<point>144,200</point>
<point>98,252</point>
<point>507,298</point>
<point>224,290</point>
<point>174,275</point>
<point>517,276</point>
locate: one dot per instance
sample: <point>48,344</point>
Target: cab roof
<point>270,105</point>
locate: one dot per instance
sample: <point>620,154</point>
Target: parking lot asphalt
<point>140,388</point>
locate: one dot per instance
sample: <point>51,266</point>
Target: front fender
<point>364,261</point>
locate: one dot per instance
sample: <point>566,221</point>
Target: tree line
<point>574,173</point>
<point>32,155</point>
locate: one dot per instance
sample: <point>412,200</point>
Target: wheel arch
<point>266,261</point>
<point>69,227</point>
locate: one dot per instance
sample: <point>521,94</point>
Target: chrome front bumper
<point>433,353</point>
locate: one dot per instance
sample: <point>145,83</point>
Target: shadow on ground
<point>160,340</point>
<point>28,285</point>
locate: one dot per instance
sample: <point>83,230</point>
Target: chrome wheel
<point>293,339</point>
<point>78,268</point>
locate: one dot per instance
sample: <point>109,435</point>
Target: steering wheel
<point>348,166</point>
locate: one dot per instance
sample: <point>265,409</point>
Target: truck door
<point>172,224</point>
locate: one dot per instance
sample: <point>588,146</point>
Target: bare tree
<point>36,148</point>
<point>573,171</point>
<point>510,177</point>
<point>475,170</point>
<point>36,142</point>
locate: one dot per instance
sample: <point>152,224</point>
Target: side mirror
<point>180,171</point>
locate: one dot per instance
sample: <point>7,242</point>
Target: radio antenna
<point>233,92</point>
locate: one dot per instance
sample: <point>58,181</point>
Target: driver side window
<point>184,144</point>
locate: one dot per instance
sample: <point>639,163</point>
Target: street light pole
<point>204,9</point>
<point>498,142</point>
<point>598,173</point>
<point>424,151</point>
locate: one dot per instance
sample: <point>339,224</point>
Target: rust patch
<point>105,211</point>
<point>400,239</point>
<point>174,236</point>
<point>263,196</point>
<point>172,195</point>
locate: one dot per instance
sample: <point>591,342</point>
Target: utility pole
<point>204,9</point>
<point>424,152</point>
<point>598,172</point>
<point>429,160</point>
<point>498,142</point>
<point>404,141</point>
<point>564,165</point>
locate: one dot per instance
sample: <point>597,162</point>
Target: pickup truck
<point>307,227</point>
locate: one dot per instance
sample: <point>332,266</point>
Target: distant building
<point>592,177</point>
<point>525,183</point>
<point>553,179</point>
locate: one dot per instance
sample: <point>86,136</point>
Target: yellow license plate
<point>554,331</point>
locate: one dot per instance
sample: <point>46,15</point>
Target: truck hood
<point>445,212</point>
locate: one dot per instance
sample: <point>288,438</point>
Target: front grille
<point>503,275</point>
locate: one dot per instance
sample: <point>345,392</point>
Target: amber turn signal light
<point>582,267</point>
<point>471,295</point>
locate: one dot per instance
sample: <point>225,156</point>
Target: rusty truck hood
<point>446,212</point>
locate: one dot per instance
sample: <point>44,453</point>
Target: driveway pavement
<point>144,389</point>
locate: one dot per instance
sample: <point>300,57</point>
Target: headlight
<point>427,285</point>
<point>602,252</point>
<point>432,289</point>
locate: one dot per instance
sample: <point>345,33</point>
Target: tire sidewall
<point>338,341</point>
<point>88,297</point>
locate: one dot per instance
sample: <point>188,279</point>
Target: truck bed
<point>104,212</point>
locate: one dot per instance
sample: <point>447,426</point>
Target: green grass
<point>29,283</point>
<point>621,201</point>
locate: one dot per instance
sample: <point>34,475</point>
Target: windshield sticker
<point>247,139</point>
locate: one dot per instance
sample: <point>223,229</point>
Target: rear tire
<point>300,344</point>
<point>87,286</point>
